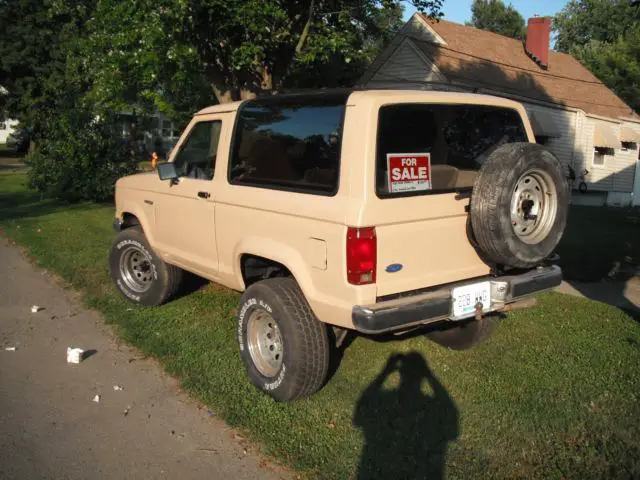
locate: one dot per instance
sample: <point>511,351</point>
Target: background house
<point>572,112</point>
<point>6,127</point>
<point>155,132</point>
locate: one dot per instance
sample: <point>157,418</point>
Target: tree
<point>581,21</point>
<point>76,155</point>
<point>605,36</point>
<point>240,47</point>
<point>495,16</point>
<point>31,62</point>
<point>616,64</point>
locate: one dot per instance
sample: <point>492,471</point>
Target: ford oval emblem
<point>394,267</point>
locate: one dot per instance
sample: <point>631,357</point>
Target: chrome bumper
<point>437,305</point>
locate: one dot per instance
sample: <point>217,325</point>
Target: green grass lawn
<point>554,393</point>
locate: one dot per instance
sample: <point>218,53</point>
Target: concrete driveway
<point>50,427</point>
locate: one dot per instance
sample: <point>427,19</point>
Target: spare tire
<point>519,205</point>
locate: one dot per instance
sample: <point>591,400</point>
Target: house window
<point>542,139</point>
<point>629,146</point>
<point>166,128</point>
<point>600,155</point>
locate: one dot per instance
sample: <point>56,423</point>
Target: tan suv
<point>375,211</point>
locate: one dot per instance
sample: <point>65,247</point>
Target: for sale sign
<point>409,172</point>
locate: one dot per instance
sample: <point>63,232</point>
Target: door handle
<point>204,194</point>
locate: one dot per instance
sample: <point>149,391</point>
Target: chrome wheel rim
<point>534,206</point>
<point>135,269</point>
<point>265,343</point>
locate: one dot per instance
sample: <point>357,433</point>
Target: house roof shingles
<point>486,59</point>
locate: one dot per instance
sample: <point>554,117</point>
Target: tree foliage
<point>65,63</point>
<point>605,36</point>
<point>239,47</point>
<point>495,16</point>
<point>80,157</point>
<point>582,21</point>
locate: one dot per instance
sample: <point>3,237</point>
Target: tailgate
<point>426,235</point>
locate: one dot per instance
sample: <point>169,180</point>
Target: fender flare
<point>145,223</point>
<point>278,252</point>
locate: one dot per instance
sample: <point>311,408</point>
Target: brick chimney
<point>538,35</point>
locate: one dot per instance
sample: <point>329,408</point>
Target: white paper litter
<point>117,388</point>
<point>96,398</point>
<point>36,309</point>
<point>74,355</point>
<point>10,349</point>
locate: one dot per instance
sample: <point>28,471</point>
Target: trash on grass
<point>36,309</point>
<point>74,355</point>
<point>117,388</point>
<point>96,398</point>
<point>10,349</point>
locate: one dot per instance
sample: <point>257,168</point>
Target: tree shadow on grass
<point>407,431</point>
<point>23,205</point>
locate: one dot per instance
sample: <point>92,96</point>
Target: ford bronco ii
<point>375,211</point>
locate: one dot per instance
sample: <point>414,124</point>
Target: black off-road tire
<point>463,336</point>
<point>491,205</point>
<point>165,279</point>
<point>305,341</point>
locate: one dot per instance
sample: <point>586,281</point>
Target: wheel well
<point>255,268</point>
<point>129,220</point>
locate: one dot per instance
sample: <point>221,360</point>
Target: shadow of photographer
<point>407,431</point>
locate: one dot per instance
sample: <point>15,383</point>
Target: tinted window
<point>289,145</point>
<point>197,155</point>
<point>449,144</point>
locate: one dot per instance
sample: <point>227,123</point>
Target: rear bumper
<point>437,305</point>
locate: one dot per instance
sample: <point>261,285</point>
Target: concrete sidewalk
<point>51,428</point>
<point>622,294</point>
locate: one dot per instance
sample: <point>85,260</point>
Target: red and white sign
<point>409,172</point>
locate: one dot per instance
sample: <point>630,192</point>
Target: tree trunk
<point>222,93</point>
<point>304,35</point>
<point>246,94</point>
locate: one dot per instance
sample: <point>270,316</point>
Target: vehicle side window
<point>439,148</point>
<point>197,155</point>
<point>289,145</point>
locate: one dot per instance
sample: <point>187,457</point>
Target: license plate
<point>466,298</point>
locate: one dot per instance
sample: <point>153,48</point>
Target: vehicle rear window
<point>425,149</point>
<point>291,144</point>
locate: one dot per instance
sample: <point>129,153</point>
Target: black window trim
<point>283,100</point>
<point>462,191</point>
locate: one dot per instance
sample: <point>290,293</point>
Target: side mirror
<point>167,171</point>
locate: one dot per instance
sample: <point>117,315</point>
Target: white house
<point>6,127</point>
<point>573,113</point>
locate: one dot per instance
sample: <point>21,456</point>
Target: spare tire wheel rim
<point>534,206</point>
<point>265,343</point>
<point>135,269</point>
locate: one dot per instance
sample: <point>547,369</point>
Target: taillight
<point>361,255</point>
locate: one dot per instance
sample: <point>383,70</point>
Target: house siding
<point>9,126</point>
<point>406,68</point>
<point>618,172</point>
<point>563,146</point>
